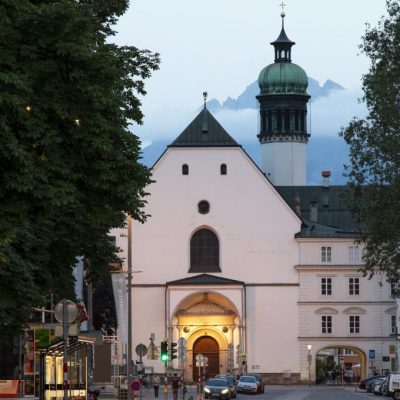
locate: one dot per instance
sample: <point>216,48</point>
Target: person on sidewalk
<point>156,384</point>
<point>176,383</point>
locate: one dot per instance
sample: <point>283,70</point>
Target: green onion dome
<point>281,78</point>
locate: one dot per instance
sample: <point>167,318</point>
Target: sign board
<point>9,388</point>
<point>141,350</point>
<point>135,385</point>
<point>72,311</point>
<point>385,358</point>
<point>371,355</point>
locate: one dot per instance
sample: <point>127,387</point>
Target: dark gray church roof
<point>205,279</point>
<point>333,216</point>
<point>204,131</point>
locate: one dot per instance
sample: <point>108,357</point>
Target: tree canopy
<point>70,166</point>
<point>374,170</point>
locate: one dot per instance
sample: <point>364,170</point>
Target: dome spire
<point>282,4</point>
<point>283,44</point>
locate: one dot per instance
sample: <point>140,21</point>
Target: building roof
<point>205,279</point>
<point>204,131</point>
<point>284,78</point>
<point>333,217</point>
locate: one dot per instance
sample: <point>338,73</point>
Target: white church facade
<point>250,266</point>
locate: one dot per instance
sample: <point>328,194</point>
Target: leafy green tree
<point>70,167</point>
<point>374,170</point>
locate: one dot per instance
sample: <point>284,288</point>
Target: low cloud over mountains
<point>331,107</point>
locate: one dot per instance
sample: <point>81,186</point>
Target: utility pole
<point>129,355</point>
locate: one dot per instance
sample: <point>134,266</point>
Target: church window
<point>326,254</point>
<point>326,286</point>
<point>279,121</point>
<point>185,169</point>
<point>204,207</point>
<point>287,121</point>
<point>354,254</point>
<point>302,121</point>
<point>326,324</point>
<point>393,328</point>
<point>354,286</point>
<point>269,122</point>
<point>354,321</point>
<point>296,124</point>
<point>223,169</point>
<point>204,252</point>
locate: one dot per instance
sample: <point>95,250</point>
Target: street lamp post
<point>309,359</point>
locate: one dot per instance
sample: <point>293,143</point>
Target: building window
<point>326,324</point>
<point>204,207</point>
<point>393,328</point>
<point>393,289</point>
<point>354,323</point>
<point>354,254</point>
<point>223,169</point>
<point>326,254</point>
<point>185,169</point>
<point>354,286</point>
<point>204,252</point>
<point>326,286</point>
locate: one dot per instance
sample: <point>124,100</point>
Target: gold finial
<point>282,4</point>
<point>205,94</point>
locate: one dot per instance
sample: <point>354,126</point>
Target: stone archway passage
<point>362,358</point>
<point>209,347</point>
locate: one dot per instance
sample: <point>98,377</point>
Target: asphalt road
<point>310,393</point>
<point>286,393</point>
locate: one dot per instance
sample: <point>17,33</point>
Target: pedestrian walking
<point>184,390</point>
<point>175,386</point>
<point>156,384</point>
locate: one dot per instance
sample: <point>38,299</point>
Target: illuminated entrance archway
<point>350,359</point>
<point>210,324</point>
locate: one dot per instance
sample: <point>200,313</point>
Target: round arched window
<point>204,207</point>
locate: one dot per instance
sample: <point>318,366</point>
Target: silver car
<point>247,384</point>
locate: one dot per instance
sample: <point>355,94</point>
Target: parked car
<point>247,384</point>
<point>376,389</point>
<point>370,385</point>
<point>232,383</point>
<point>217,388</point>
<point>261,388</point>
<point>363,383</point>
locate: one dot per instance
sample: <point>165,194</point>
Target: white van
<point>393,386</point>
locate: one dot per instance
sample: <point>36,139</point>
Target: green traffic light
<point>164,357</point>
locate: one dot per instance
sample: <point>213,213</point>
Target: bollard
<point>165,392</point>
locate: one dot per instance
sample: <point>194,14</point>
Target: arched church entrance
<point>207,346</point>
<point>337,363</point>
<point>209,322</point>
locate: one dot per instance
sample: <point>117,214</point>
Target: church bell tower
<point>283,116</point>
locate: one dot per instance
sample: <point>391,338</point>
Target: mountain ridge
<point>247,99</point>
<point>323,152</point>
